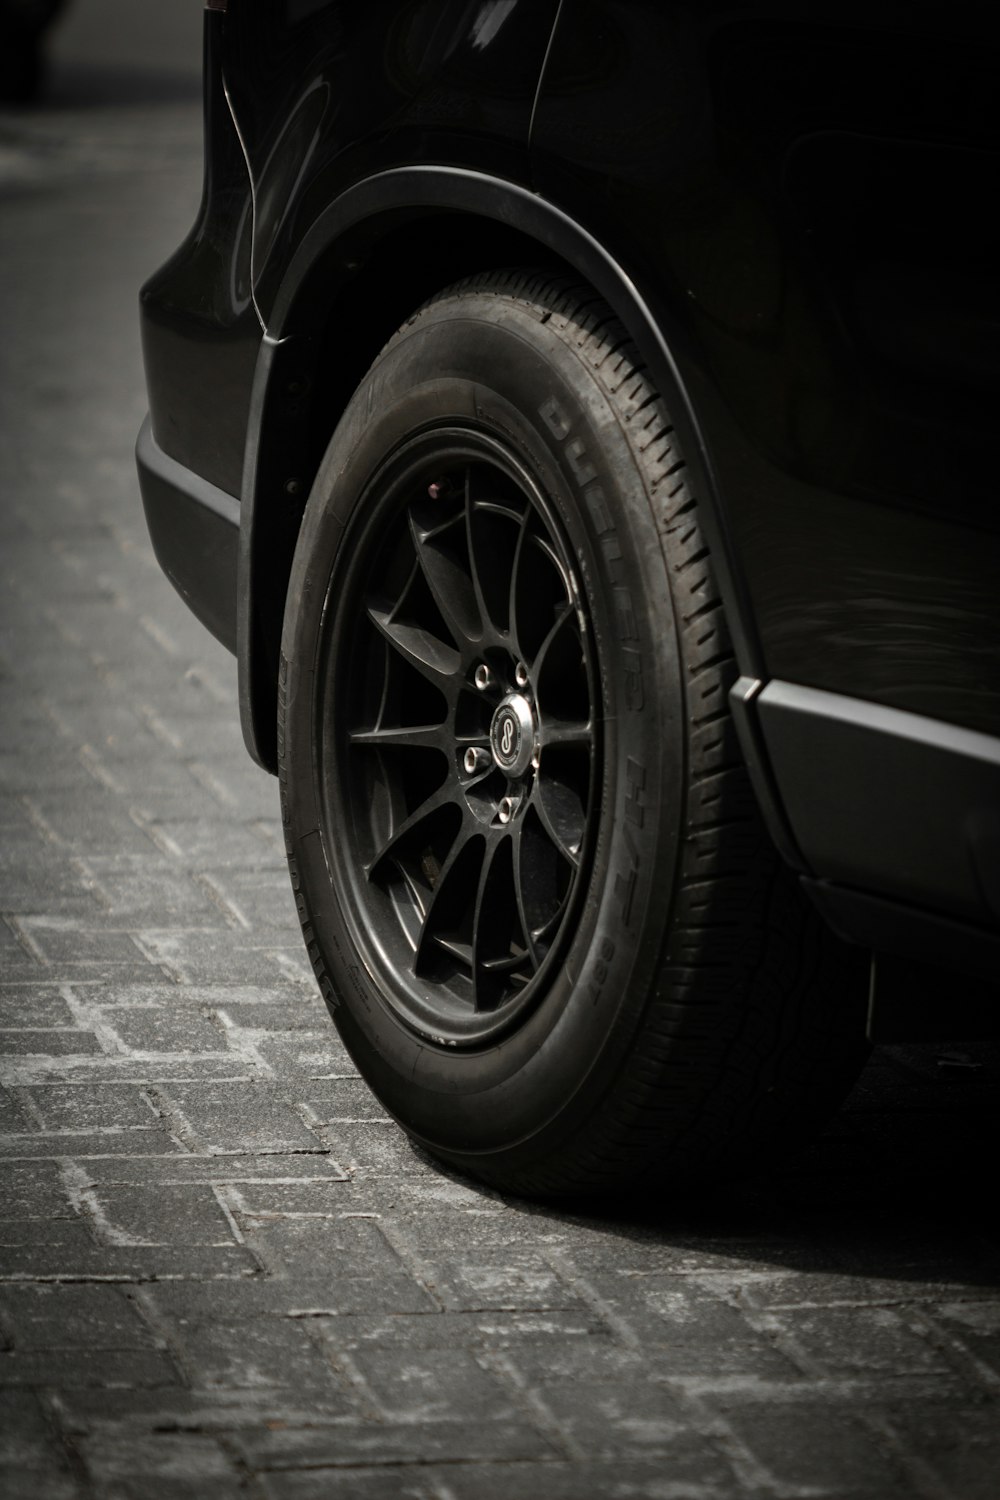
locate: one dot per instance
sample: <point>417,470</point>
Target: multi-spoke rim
<point>458,737</point>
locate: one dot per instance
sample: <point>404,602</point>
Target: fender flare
<point>322,263</point>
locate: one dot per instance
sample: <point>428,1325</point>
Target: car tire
<point>531,874</point>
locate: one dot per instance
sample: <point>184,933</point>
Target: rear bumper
<point>195,530</point>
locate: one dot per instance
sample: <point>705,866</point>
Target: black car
<point>580,420</point>
<point>23,24</point>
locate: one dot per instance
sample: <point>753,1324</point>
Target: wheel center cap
<point>512,735</point>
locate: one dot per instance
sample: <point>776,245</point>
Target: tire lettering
<point>555,419</point>
<point>625,891</point>
<point>625,880</point>
<point>583,469</point>
<point>635,792</point>
<point>605,953</point>
<point>626,614</point>
<point>634,695</point>
<point>597,505</point>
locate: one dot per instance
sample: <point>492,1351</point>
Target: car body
<point>23,24</point>
<point>791,213</point>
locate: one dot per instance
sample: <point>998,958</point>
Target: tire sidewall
<point>494,367</point>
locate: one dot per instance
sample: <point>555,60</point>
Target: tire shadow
<point>899,1187</point>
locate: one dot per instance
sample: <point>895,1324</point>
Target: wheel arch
<point>368,261</point>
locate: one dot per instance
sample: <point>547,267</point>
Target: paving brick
<point>237,1117</point>
<point>72,1317</point>
<point>347,1445</point>
<point>242,1169</point>
<point>100,820</point>
<point>260,1352</point>
<point>395,1482</point>
<point>384,1292</point>
<point>141,890</point>
<point>433,1385</point>
<point>688,1330</point>
<point>320,1294</point>
<point>433,1330</point>
<point>168,1214</point>
<point>32,1190</point>
<point>209,843</point>
<point>159,1465</point>
<point>522,1281</point>
<point>872,1340</point>
<point>60,768</point>
<point>71,1236</point>
<point>80,950</point>
<point>314,1054</point>
<point>343,1100</point>
<point>163,1028</point>
<point>13,1119</point>
<point>92,1106</point>
<point>342,1247</point>
<point>160,1068</point>
<point>37,879</point>
<point>32,1461</point>
<point>126,1368</point>
<point>294,1012</point>
<point>802,1289</point>
<point>205,958</point>
<point>16,963</point>
<point>975,1327</point>
<point>814,1450</point>
<point>691,1473</point>
<point>621,1414</point>
<point>261,890</point>
<point>34,1007</point>
<point>958,1447</point>
<point>71,1043</point>
<point>373,1147</point>
<point>85,1144</point>
<point>83,1260</point>
<point>307,1198</point>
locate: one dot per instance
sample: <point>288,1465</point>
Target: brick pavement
<point>223,1271</point>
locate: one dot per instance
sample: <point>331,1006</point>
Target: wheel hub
<point>512,735</point>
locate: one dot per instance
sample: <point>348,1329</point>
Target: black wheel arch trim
<point>194,529</point>
<point>320,268</point>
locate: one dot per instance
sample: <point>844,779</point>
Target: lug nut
<point>507,808</point>
<point>483,677</point>
<point>475,759</point>
<point>521,674</point>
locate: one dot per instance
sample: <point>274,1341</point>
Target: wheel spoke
<point>433,659</point>
<point>515,580</point>
<point>448,578</point>
<point>403,736</point>
<point>472,542</point>
<point>542,654</point>
<point>521,898</point>
<point>563,732</point>
<point>492,529</point>
<point>445,796</point>
<point>561,815</point>
<point>495,921</point>
<point>449,907</point>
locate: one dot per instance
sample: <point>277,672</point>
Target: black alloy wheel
<point>460,747</point>
<point>531,874</point>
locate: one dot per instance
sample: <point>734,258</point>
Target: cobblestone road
<point>223,1270</point>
